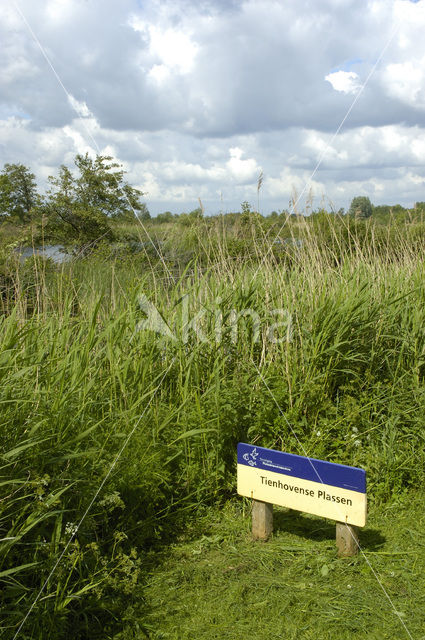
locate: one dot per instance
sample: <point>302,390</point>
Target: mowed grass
<point>217,583</point>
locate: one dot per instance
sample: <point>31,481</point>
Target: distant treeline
<point>91,204</point>
<point>360,207</point>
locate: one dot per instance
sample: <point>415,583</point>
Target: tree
<point>162,218</point>
<point>5,191</point>
<point>143,213</point>
<point>18,192</point>
<point>79,208</point>
<point>100,184</point>
<point>196,214</point>
<point>70,218</point>
<point>361,207</point>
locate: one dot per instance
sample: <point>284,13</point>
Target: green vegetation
<point>91,204</point>
<point>133,433</point>
<point>18,193</point>
<point>79,206</point>
<point>361,207</point>
<point>214,582</point>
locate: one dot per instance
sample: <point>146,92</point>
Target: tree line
<point>79,205</point>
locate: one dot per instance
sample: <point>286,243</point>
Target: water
<point>53,251</point>
<point>57,252</point>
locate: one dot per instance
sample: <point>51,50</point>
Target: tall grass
<point>78,375</point>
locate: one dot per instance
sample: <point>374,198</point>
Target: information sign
<point>326,489</point>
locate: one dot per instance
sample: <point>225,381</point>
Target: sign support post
<point>347,540</point>
<point>262,520</point>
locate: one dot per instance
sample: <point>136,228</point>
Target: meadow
<point>118,509</point>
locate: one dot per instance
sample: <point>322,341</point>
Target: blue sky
<point>196,98</point>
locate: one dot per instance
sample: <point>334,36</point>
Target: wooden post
<point>347,539</point>
<point>262,520</point>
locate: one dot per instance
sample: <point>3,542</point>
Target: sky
<point>196,98</point>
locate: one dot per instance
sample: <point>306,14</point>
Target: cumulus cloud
<point>345,81</point>
<point>79,107</point>
<point>194,97</point>
<point>242,171</point>
<point>406,82</point>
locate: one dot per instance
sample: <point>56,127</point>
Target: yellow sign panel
<point>328,501</point>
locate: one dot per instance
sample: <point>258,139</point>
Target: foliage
<point>143,212</point>
<point>78,209</point>
<point>18,192</point>
<point>100,185</point>
<point>361,207</point>
<point>192,217</point>
<point>162,218</point>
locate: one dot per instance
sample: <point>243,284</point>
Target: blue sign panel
<point>289,464</point>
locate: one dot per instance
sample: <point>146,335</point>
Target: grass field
<point>117,486</point>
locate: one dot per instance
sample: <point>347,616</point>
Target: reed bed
<point>342,379</point>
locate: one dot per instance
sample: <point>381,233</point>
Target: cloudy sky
<point>195,98</point>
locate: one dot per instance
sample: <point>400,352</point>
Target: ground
<point>216,582</point>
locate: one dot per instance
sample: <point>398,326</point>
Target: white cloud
<point>59,11</point>
<point>159,73</point>
<point>243,171</point>
<point>403,75</point>
<point>174,48</point>
<point>406,81</point>
<point>289,183</point>
<point>195,97</point>
<point>79,142</point>
<point>389,146</point>
<point>80,107</point>
<point>344,81</point>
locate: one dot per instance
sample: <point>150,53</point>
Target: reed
<point>346,381</point>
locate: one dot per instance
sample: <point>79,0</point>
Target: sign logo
<point>251,458</point>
